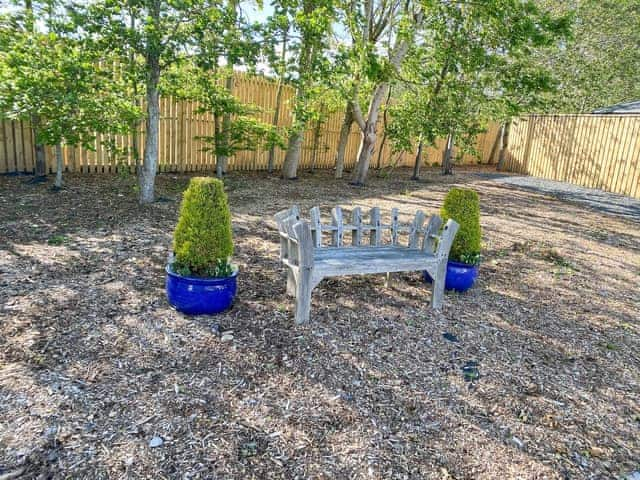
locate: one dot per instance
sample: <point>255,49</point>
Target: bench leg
<point>303,296</point>
<point>388,282</point>
<point>438,286</point>
<point>291,283</point>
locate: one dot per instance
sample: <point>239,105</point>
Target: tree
<point>60,82</point>
<point>368,24</point>
<point>598,65</point>
<point>408,19</point>
<point>470,65</point>
<point>313,22</point>
<point>157,31</point>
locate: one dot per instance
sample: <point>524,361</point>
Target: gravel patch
<point>599,200</point>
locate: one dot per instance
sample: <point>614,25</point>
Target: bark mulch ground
<point>95,367</point>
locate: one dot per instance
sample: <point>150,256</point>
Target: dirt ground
<point>94,364</point>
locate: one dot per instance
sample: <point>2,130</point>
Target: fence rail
<point>596,151</point>
<point>181,151</point>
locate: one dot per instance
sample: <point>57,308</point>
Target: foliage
<point>202,241</point>
<point>244,131</point>
<point>471,65</point>
<point>463,206</point>
<point>56,82</point>
<point>598,65</point>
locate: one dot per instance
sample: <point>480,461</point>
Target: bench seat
<point>309,261</point>
<point>331,262</point>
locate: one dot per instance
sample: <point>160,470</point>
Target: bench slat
<point>316,226</point>
<point>360,260</point>
<point>394,226</point>
<point>416,228</point>
<point>356,226</point>
<point>336,221</point>
<point>375,233</point>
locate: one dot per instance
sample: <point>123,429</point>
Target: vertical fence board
<point>598,151</point>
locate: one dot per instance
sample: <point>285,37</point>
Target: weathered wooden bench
<point>308,261</point>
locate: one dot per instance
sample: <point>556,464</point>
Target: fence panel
<point>181,148</point>
<point>597,151</point>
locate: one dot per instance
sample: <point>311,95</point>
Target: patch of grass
<point>552,255</point>
<point>57,240</point>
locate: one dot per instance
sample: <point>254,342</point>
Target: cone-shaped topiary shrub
<point>463,206</point>
<point>202,242</point>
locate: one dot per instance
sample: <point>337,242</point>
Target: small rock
<point>450,337</point>
<point>227,337</point>
<point>347,397</point>
<point>156,442</point>
<point>216,329</point>
<point>596,452</point>
<point>517,442</point>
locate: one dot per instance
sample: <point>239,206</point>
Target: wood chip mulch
<point>533,374</point>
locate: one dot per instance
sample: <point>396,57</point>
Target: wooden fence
<point>181,150</point>
<point>597,151</point>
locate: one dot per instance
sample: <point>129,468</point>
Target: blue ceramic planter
<point>200,296</point>
<point>460,276</point>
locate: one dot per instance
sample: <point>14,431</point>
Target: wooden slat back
<point>356,230</point>
<point>430,240</point>
<point>446,238</point>
<point>285,220</point>
<point>337,223</point>
<point>304,249</point>
<point>416,229</point>
<point>375,235</point>
<point>394,226</point>
<point>316,226</point>
<point>426,238</point>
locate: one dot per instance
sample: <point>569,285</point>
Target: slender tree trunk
<point>367,144</point>
<point>59,166</point>
<point>41,159</point>
<point>496,145</point>
<point>147,175</point>
<point>385,122</point>
<point>276,116</point>
<point>216,141</point>
<point>345,130</point>
<point>418,162</point>
<point>135,141</point>
<point>291,160</point>
<point>369,136</point>
<point>276,113</point>
<point>316,143</point>
<point>447,156</point>
<point>504,149</point>
<point>223,159</point>
<point>40,171</point>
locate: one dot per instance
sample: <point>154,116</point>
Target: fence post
<point>181,147</point>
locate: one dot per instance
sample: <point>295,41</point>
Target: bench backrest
<point>296,237</point>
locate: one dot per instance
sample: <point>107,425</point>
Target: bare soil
<point>94,363</point>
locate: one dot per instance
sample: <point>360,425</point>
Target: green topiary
<point>463,206</point>
<point>202,241</point>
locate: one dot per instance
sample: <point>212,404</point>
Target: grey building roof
<point>627,107</point>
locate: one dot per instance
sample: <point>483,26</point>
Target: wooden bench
<point>308,261</point>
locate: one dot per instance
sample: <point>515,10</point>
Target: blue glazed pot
<point>200,296</point>
<point>460,276</point>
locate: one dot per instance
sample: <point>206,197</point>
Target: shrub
<point>463,206</point>
<point>202,241</point>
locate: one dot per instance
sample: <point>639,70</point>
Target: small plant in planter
<point>200,278</point>
<point>463,206</point>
